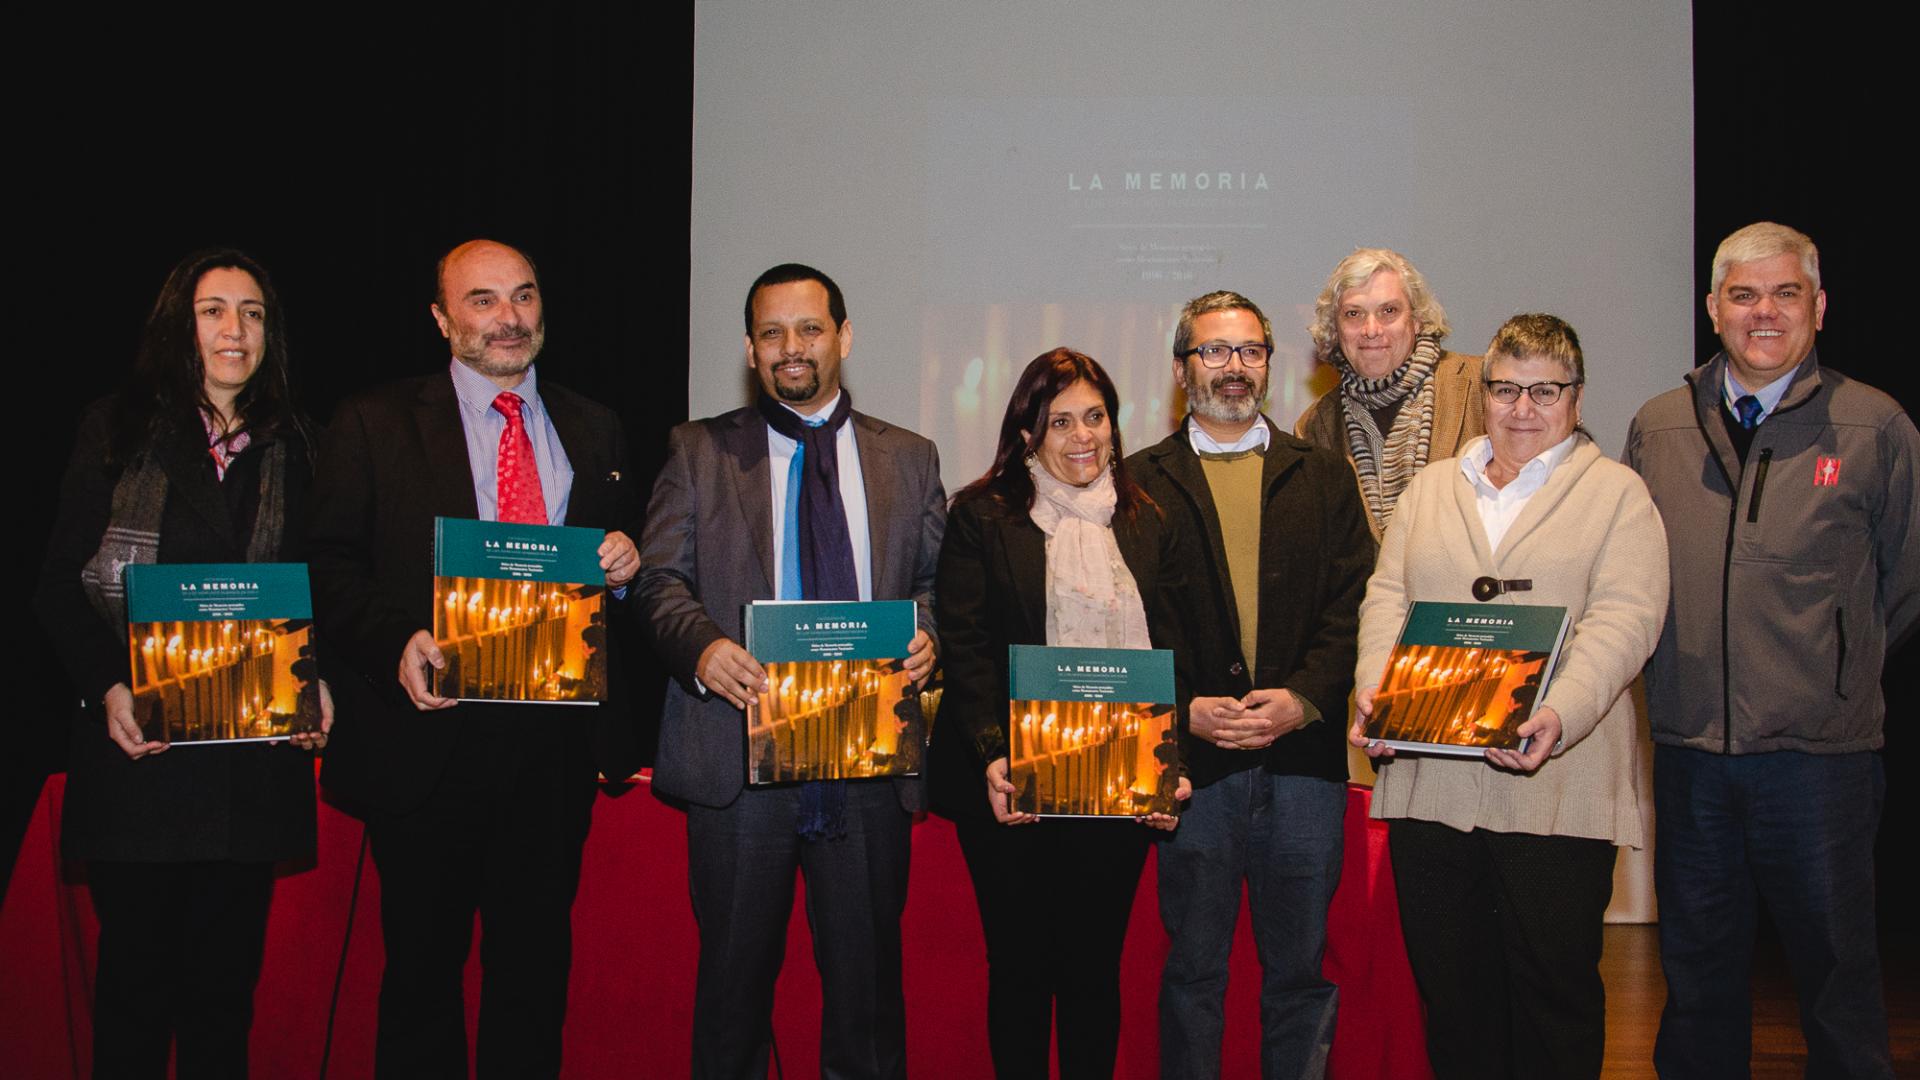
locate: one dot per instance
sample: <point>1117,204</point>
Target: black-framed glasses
<point>1542,393</point>
<point>1216,355</point>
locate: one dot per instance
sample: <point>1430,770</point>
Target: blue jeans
<point>1281,835</point>
<point>1793,829</point>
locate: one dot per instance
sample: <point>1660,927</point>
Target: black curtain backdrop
<point>349,146</point>
<point>347,149</point>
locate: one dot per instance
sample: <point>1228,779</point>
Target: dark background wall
<point>347,151</point>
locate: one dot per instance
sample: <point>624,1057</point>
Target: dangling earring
<point>1031,458</point>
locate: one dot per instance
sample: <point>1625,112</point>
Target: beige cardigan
<point>1591,541</point>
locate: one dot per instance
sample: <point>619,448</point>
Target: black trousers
<point>741,863</point>
<point>1504,934</point>
<point>1055,899</point>
<point>500,835</point>
<point>180,948</point>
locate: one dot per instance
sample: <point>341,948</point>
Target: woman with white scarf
<point>1055,545</point>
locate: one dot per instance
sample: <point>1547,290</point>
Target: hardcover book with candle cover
<point>1092,732</point>
<point>221,652</point>
<point>1463,677</point>
<point>838,704</point>
<point>520,612</point>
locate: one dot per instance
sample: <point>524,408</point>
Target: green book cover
<point>1463,677</point>
<point>1092,732</point>
<point>838,704</point>
<point>221,652</point>
<point>519,612</point>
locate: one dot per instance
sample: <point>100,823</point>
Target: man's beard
<point>1203,399</point>
<point>473,351</point>
<point>799,392</point>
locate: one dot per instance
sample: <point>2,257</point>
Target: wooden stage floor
<point>1635,994</point>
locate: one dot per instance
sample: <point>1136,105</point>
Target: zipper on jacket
<point>1759,482</point>
<point>1840,661</point>
<point>1726,657</point>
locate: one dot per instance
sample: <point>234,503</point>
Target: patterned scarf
<point>133,524</point>
<point>1092,600</point>
<point>1387,463</point>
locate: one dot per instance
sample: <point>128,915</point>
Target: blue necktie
<point>791,587</point>
<point>1748,409</point>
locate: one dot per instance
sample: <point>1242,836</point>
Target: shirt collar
<point>819,415</point>
<point>1769,395</point>
<point>1257,437</point>
<point>476,391</point>
<point>1533,475</point>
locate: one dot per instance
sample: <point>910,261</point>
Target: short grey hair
<point>1353,272</point>
<point>1764,240</point>
<point>1536,334</point>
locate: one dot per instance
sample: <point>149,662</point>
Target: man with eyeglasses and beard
<point>1287,555</point>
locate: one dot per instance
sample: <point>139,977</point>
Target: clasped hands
<point>1245,723</point>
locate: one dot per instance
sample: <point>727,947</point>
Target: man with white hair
<point>1402,400</point>
<point>1788,495</point>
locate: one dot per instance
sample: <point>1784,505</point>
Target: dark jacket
<point>992,594</point>
<point>394,459</point>
<point>1315,554</point>
<point>708,552</point>
<point>250,802</point>
<point>1793,571</point>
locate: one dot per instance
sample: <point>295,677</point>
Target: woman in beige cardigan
<point>1505,865</point>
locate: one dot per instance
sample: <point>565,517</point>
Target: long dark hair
<point>167,387</point>
<point>1046,378</point>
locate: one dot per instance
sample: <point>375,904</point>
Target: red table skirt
<point>631,1002</point>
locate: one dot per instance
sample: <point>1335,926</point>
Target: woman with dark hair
<point>199,458</point>
<point>1055,545</point>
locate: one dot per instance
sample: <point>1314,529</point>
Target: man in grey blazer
<point>793,497</point>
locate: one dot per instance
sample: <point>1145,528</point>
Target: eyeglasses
<point>1216,355</point>
<point>1542,393</point>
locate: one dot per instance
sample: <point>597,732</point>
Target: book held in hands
<point>1092,732</point>
<point>1463,677</point>
<point>221,652</point>
<point>519,612</point>
<point>839,704</point>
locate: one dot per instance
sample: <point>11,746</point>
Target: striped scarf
<point>1386,464</point>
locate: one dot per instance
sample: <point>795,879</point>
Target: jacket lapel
<point>436,415</point>
<point>880,481</point>
<point>745,444</point>
<point>571,428</point>
<point>184,460</point>
<point>1025,549</point>
<point>1176,458</point>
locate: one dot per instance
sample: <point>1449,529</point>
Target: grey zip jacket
<point>1793,572</point>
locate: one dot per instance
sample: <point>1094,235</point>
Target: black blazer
<point>250,802</point>
<point>991,590</point>
<point>1316,553</point>
<point>394,459</point>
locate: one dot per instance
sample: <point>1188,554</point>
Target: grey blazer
<point>708,551</point>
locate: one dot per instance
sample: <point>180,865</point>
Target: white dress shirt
<point>853,497</point>
<point>1500,507</point>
